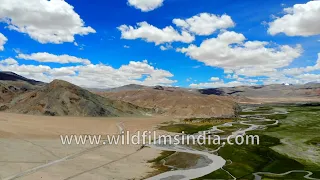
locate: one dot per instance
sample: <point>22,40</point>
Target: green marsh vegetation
<point>299,131</point>
<point>291,176</point>
<point>276,116</point>
<point>262,122</point>
<point>174,159</point>
<point>300,127</point>
<point>182,160</point>
<point>248,159</point>
<point>234,127</point>
<point>158,164</point>
<point>227,130</point>
<point>291,145</point>
<point>194,125</point>
<point>314,141</point>
<point>186,128</point>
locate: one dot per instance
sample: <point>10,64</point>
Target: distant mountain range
<point>245,94</point>
<point>60,98</point>
<point>270,93</point>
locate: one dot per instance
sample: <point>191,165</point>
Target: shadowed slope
<point>10,76</point>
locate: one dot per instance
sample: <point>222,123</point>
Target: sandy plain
<point>31,149</point>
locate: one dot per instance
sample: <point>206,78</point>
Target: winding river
<point>216,161</point>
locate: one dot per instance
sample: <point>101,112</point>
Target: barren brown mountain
<point>6,95</point>
<point>13,85</point>
<point>177,102</point>
<point>60,98</point>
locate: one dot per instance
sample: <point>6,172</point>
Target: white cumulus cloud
<point>299,20</point>
<point>94,75</point>
<point>301,70</point>
<point>205,23</point>
<point>53,21</point>
<point>231,51</point>
<point>9,61</point>
<point>214,78</point>
<point>3,41</point>
<point>146,5</point>
<point>166,47</point>
<point>309,77</point>
<point>151,33</point>
<point>46,57</point>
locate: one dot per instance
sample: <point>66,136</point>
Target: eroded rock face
<point>11,89</point>
<point>6,95</point>
<point>3,107</point>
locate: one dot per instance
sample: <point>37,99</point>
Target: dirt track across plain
<point>31,148</point>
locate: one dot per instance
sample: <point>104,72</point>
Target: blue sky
<point>110,53</point>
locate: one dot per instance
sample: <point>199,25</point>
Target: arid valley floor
<point>29,142</point>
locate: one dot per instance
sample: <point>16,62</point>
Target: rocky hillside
<point>11,89</point>
<point>60,98</point>
<point>6,94</point>
<point>177,102</point>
